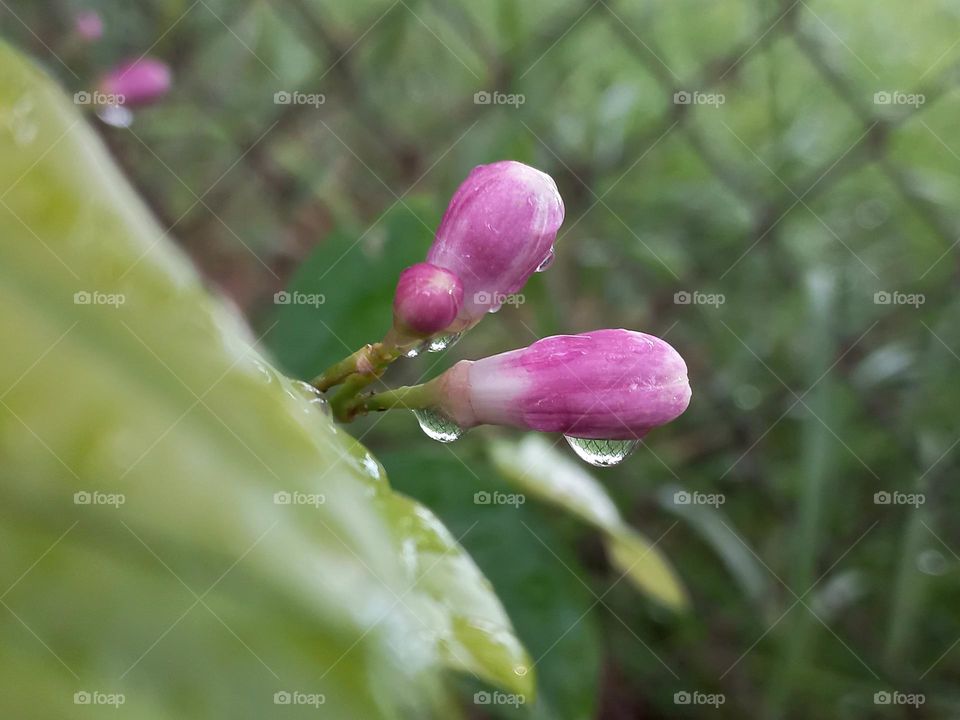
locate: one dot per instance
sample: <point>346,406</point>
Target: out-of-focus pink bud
<point>427,300</point>
<point>88,25</point>
<point>138,82</point>
<point>606,384</point>
<point>499,228</point>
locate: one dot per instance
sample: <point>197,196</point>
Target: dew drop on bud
<point>436,427</point>
<point>602,453</point>
<point>547,261</point>
<point>442,342</point>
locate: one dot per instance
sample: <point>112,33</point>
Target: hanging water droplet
<point>314,397</point>
<point>495,308</point>
<point>442,342</point>
<point>602,453</point>
<point>416,350</point>
<point>547,261</point>
<point>437,427</point>
<point>115,116</point>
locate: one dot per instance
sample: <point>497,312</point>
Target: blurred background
<point>770,186</point>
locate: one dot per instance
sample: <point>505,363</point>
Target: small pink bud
<point>138,82</point>
<point>427,300</point>
<point>605,384</point>
<point>499,228</point>
<point>88,25</point>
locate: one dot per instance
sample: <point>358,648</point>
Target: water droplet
<point>437,427</point>
<point>115,116</point>
<point>602,453</point>
<point>442,342</point>
<point>416,350</point>
<point>495,308</point>
<point>547,261</point>
<point>315,398</point>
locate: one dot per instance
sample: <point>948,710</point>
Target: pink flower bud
<point>427,300</point>
<point>605,384</point>
<point>88,25</point>
<point>499,228</point>
<point>138,82</point>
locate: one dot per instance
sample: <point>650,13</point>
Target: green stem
<point>409,397</point>
<point>370,360</point>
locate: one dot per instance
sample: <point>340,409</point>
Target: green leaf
<point>467,619</point>
<point>646,568</point>
<point>217,538</point>
<point>535,465</point>
<point>717,530</point>
<point>530,564</point>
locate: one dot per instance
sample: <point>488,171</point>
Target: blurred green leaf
<point>716,530</point>
<point>214,531</point>
<point>535,465</point>
<point>471,627</point>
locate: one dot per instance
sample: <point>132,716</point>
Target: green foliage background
<point>797,199</point>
